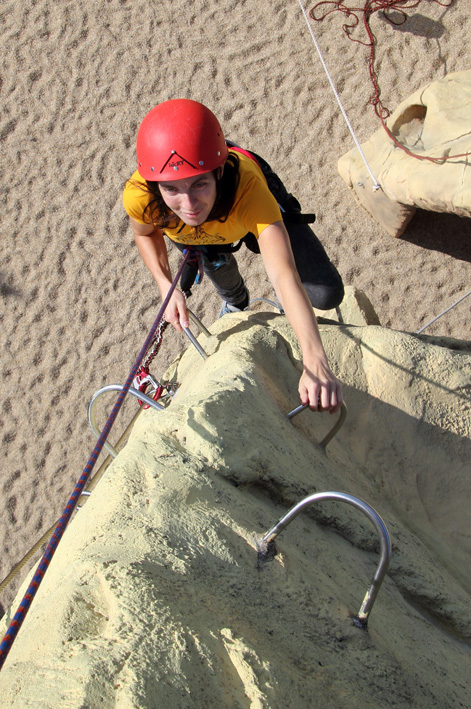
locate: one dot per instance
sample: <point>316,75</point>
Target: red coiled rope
<point>25,604</point>
<point>364,14</point>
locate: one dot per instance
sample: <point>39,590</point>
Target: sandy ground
<point>77,302</point>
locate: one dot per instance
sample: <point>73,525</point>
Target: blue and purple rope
<point>25,604</point>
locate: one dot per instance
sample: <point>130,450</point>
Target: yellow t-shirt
<point>254,209</point>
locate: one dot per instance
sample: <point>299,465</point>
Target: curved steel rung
<point>194,342</point>
<point>361,619</point>
<point>138,394</point>
<point>335,428</point>
<point>115,387</point>
<point>199,324</point>
<point>84,493</point>
<point>270,302</point>
<point>192,338</point>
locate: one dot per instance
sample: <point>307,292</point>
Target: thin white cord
<point>376,185</point>
<point>444,312</point>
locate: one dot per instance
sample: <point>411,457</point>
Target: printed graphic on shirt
<point>197,236</point>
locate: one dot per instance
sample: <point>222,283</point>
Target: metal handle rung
<point>335,428</point>
<point>270,302</point>
<point>192,338</point>
<point>115,387</point>
<point>361,618</point>
<point>199,324</point>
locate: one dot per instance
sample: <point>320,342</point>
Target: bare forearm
<point>153,251</point>
<point>317,386</point>
<point>300,314</point>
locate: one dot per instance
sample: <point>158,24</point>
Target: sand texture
<point>77,302</point>
<point>161,602</point>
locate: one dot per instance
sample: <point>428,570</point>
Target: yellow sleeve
<point>136,198</point>
<point>256,206</point>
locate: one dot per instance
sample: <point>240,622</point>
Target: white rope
<point>376,185</point>
<point>444,313</point>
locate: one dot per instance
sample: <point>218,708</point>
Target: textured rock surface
<point>154,597</point>
<point>433,122</point>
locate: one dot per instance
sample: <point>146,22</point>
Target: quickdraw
<point>147,384</point>
<point>144,381</point>
<point>43,565</point>
<point>155,344</point>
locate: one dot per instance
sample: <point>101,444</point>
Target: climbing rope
<point>466,295</point>
<point>364,14</point>
<point>157,393</point>
<point>31,591</point>
<point>48,534</point>
<point>376,185</point>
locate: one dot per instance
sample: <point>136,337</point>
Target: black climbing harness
<point>290,211</point>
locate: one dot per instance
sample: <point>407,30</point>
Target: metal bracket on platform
<point>361,619</point>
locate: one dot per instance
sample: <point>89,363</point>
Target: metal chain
<point>155,344</point>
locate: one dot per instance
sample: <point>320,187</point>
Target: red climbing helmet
<point>177,139</point>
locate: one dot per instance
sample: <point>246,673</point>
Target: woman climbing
<point>192,187</point>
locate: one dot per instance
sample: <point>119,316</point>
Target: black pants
<point>318,275</point>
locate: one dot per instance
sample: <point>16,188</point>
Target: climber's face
<point>190,199</point>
